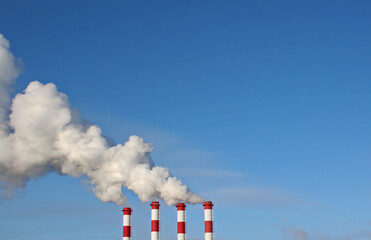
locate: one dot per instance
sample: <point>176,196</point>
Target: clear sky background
<point>262,107</point>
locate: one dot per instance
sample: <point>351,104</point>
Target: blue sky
<point>260,106</point>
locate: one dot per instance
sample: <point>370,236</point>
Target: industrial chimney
<point>208,207</point>
<point>181,220</point>
<point>155,221</point>
<point>126,232</point>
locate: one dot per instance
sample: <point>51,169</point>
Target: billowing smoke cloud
<point>40,133</point>
<point>9,71</point>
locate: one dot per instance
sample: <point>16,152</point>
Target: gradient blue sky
<point>261,106</point>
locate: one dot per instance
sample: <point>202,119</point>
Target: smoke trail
<point>9,71</point>
<point>43,134</point>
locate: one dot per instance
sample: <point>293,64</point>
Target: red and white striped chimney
<point>126,232</point>
<point>181,220</point>
<point>209,234</point>
<point>155,221</point>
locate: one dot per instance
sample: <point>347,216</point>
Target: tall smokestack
<point>155,221</point>
<point>126,233</point>
<point>209,234</point>
<point>181,220</point>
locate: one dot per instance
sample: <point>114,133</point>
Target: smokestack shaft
<point>208,207</point>
<point>181,221</point>
<point>155,221</point>
<point>126,232</point>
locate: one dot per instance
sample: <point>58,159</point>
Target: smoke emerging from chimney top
<point>40,133</point>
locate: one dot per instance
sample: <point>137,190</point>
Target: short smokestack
<point>126,232</point>
<point>155,221</point>
<point>181,220</point>
<point>209,234</point>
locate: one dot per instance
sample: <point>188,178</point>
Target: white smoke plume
<point>40,133</point>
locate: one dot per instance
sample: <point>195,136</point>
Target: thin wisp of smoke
<point>40,133</point>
